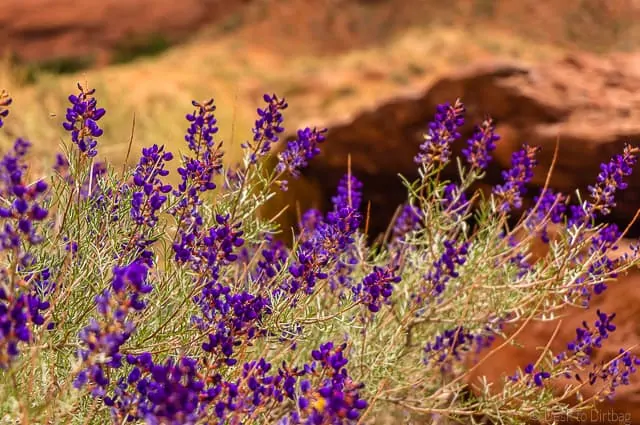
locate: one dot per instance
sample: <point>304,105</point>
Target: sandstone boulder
<point>591,104</point>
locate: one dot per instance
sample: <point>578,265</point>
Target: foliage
<point>126,298</point>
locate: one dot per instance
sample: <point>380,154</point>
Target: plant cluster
<point>126,298</point>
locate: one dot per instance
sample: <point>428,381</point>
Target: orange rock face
<point>591,105</point>
<point>40,30</point>
<point>621,297</point>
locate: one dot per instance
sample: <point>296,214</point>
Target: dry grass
<point>159,90</point>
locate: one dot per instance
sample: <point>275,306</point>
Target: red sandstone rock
<point>591,104</point>
<point>40,30</point>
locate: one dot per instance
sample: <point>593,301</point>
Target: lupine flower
<point>274,257</point>
<point>409,219</point>
<point>310,221</point>
<point>551,208</point>
<point>602,243</point>
<point>452,344</point>
<point>377,287</point>
<point>579,352</point>
<point>443,131</point>
<point>510,193</point>
<point>203,126</point>
<point>267,128</point>
<point>18,315</point>
<point>323,240</point>
<point>337,399</point>
<point>617,372</point>
<point>587,339</point>
<point>348,196</point>
<point>5,101</point>
<point>196,173</point>
<point>300,151</point>
<point>82,121</point>
<point>531,376</point>
<point>166,393</point>
<point>146,202</point>
<point>231,319</point>
<point>481,144</point>
<point>454,201</point>
<point>445,267</point>
<point>103,337</point>
<point>349,193</point>
<point>25,201</point>
<point>21,304</point>
<point>184,391</point>
<point>205,252</point>
<point>331,238</point>
<point>610,180</point>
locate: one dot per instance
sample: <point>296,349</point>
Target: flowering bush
<point>125,298</point>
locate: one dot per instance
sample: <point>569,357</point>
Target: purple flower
<point>409,219</point>
<point>197,176</point>
<point>510,193</point>
<point>377,287</point>
<point>349,193</point>
<point>336,400</point>
<point>103,337</point>
<point>274,257</point>
<point>531,376</point>
<point>610,180</point>
<point>232,319</point>
<point>454,201</point>
<point>444,268</point>
<point>300,151</point>
<point>443,131</point>
<point>587,339</point>
<point>5,101</point>
<point>149,197</point>
<point>24,201</point>
<point>331,238</point>
<point>310,221</point>
<point>481,144</point>
<point>185,391</point>
<point>82,121</point>
<point>579,352</point>
<point>601,266</point>
<point>267,128</point>
<point>452,344</point>
<point>206,251</point>
<point>202,129</point>
<point>551,208</point>
<point>18,315</point>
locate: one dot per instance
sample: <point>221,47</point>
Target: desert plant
<point>126,298</point>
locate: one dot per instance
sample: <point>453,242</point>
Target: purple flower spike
<point>443,131</point>
<point>521,172</point>
<point>610,180</point>
<point>203,127</point>
<point>267,128</point>
<point>377,287</point>
<point>82,121</point>
<point>150,196</point>
<point>481,144</point>
<point>349,193</point>
<point>300,151</point>
<point>103,337</point>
